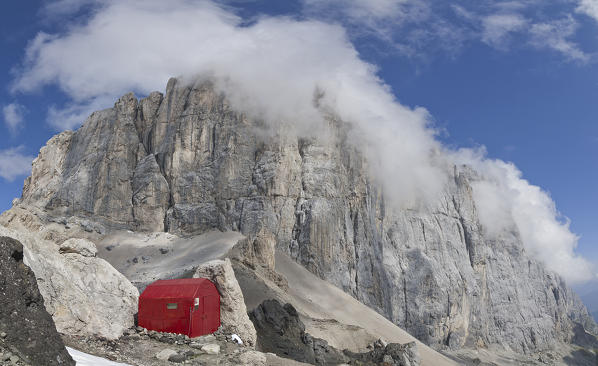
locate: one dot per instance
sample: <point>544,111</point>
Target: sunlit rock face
<point>84,294</point>
<point>187,162</point>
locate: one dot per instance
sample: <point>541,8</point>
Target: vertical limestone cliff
<point>187,162</point>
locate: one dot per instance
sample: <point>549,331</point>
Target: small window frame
<point>172,306</point>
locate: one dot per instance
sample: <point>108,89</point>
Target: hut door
<point>212,313</point>
<point>197,318</point>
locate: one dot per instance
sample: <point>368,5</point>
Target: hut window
<point>171,306</point>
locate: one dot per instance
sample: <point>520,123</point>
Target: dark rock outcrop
<point>28,329</point>
<point>584,339</point>
<point>393,354</point>
<point>280,331</point>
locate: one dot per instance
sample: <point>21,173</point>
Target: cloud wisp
<point>420,28</point>
<point>55,9</point>
<point>497,27</point>
<point>589,8</point>
<point>13,117</point>
<point>13,163</point>
<point>505,200</point>
<point>271,70</point>
<point>556,35</point>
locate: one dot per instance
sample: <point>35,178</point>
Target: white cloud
<point>13,116</point>
<point>588,7</point>
<point>464,13</point>
<point>271,70</point>
<point>72,115</point>
<point>556,35</point>
<point>497,27</point>
<point>13,163</point>
<point>505,200</point>
<point>116,51</point>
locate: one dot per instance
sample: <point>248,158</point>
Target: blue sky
<point>518,77</point>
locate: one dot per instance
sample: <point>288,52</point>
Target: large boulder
<point>393,354</point>
<point>84,294</point>
<point>258,253</point>
<point>280,331</point>
<point>252,358</point>
<point>26,328</point>
<point>79,246</point>
<point>257,250</point>
<point>233,313</point>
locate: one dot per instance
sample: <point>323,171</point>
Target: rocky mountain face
<point>187,162</point>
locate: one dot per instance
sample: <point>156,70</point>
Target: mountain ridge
<point>186,162</point>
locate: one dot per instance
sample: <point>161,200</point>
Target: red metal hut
<point>188,306</point>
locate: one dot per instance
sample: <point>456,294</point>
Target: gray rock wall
<point>186,162</point>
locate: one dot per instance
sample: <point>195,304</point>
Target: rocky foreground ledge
<point>138,346</point>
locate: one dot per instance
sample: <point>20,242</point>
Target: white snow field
<point>84,359</point>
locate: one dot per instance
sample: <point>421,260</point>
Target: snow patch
<point>84,359</point>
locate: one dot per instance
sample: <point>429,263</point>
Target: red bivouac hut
<point>188,306</point>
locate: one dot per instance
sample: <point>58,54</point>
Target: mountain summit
<point>187,163</point>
